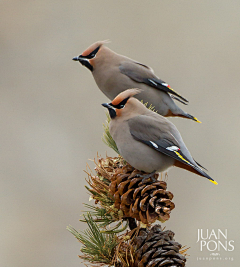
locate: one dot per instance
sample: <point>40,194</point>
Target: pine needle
<point>107,138</point>
<point>151,107</point>
<point>183,251</point>
<point>105,212</point>
<point>97,247</point>
<point>99,215</point>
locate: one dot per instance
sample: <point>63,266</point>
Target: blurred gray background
<point>51,116</point>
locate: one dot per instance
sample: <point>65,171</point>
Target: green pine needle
<point>151,107</point>
<point>97,247</point>
<point>100,216</point>
<point>105,198</point>
<point>107,138</point>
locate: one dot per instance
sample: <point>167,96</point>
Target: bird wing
<point>157,135</point>
<point>144,74</point>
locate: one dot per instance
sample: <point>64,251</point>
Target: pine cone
<point>155,247</point>
<point>146,202</point>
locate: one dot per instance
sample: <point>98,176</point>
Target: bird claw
<point>147,177</point>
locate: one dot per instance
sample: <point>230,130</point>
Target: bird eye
<point>91,56</point>
<point>93,53</point>
<point>121,104</point>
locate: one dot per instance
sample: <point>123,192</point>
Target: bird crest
<point>125,94</point>
<point>93,47</point>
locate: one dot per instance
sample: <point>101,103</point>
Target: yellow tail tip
<point>197,120</point>
<point>214,182</point>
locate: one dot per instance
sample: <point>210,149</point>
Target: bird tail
<point>195,169</point>
<point>191,117</point>
<point>204,174</point>
<point>200,165</point>
<point>178,99</point>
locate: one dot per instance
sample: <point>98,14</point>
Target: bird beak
<point>80,58</point>
<point>84,61</point>
<point>76,58</point>
<point>106,105</point>
<point>111,110</point>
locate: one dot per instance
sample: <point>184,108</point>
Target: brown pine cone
<point>155,247</point>
<point>146,202</point>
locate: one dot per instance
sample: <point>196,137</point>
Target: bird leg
<point>147,176</point>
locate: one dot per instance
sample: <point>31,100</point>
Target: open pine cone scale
<point>146,202</point>
<point>155,247</point>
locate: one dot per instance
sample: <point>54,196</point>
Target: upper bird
<point>147,140</point>
<point>115,73</point>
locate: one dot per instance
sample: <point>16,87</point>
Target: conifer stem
<point>132,223</point>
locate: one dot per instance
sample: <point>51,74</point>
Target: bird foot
<point>147,177</point>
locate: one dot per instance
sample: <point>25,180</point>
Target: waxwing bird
<point>147,140</point>
<point>114,73</point>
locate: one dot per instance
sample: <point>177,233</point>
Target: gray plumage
<point>115,73</point>
<point>147,140</point>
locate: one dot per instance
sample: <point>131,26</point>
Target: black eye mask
<point>93,53</point>
<point>121,104</point>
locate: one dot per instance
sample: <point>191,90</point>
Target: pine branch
<point>122,199</point>
<point>97,247</point>
<point>105,213</point>
<point>99,215</point>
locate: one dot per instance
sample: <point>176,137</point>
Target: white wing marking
<point>155,145</point>
<point>172,148</point>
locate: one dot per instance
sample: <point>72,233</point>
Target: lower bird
<point>147,140</point>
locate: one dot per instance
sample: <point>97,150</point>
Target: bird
<point>114,73</point>
<point>146,140</point>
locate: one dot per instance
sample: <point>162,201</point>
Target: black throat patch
<point>86,64</point>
